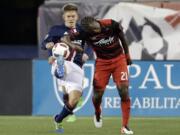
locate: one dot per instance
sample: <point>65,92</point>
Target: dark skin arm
<point>66,39</point>
<point>125,47</point>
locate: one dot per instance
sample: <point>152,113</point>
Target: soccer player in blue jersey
<point>67,79</point>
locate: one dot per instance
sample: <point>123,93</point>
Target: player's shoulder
<point>105,22</point>
<point>112,24</point>
<point>57,27</point>
<point>57,30</point>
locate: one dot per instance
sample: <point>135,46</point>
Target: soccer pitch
<point>36,125</point>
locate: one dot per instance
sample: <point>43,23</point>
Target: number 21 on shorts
<point>124,76</point>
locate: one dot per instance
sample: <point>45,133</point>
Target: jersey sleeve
<point>50,37</point>
<point>44,42</point>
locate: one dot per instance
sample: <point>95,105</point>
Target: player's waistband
<point>120,56</point>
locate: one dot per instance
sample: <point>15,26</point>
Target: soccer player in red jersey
<point>107,40</point>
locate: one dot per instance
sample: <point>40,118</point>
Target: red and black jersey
<point>106,44</point>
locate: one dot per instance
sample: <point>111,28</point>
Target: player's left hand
<point>85,57</point>
<point>50,45</point>
<point>128,59</point>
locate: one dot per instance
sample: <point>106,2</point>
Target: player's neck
<point>70,27</point>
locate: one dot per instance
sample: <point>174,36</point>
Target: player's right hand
<point>49,45</point>
<point>51,60</point>
<point>128,59</point>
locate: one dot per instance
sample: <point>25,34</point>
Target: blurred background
<point>151,27</point>
<point>19,28</point>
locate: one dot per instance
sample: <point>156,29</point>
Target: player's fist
<point>49,45</point>
<point>51,60</point>
<point>128,59</point>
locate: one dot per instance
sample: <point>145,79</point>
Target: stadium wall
<point>15,87</point>
<point>154,90</point>
<point>27,87</point>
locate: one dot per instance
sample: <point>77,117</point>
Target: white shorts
<point>73,78</point>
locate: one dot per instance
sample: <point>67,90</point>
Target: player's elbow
<point>79,49</point>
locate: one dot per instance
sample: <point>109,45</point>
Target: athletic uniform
<point>73,64</point>
<point>111,59</point>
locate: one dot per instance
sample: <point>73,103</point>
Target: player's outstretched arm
<point>67,40</point>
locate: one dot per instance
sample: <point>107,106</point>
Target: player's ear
<point>63,16</point>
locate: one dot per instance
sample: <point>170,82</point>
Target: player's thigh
<point>74,97</point>
<point>101,77</point>
<point>75,77</point>
<point>120,72</point>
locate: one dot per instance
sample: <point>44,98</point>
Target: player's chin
<point>71,24</point>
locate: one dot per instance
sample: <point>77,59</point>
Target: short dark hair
<point>86,21</point>
<point>70,7</point>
